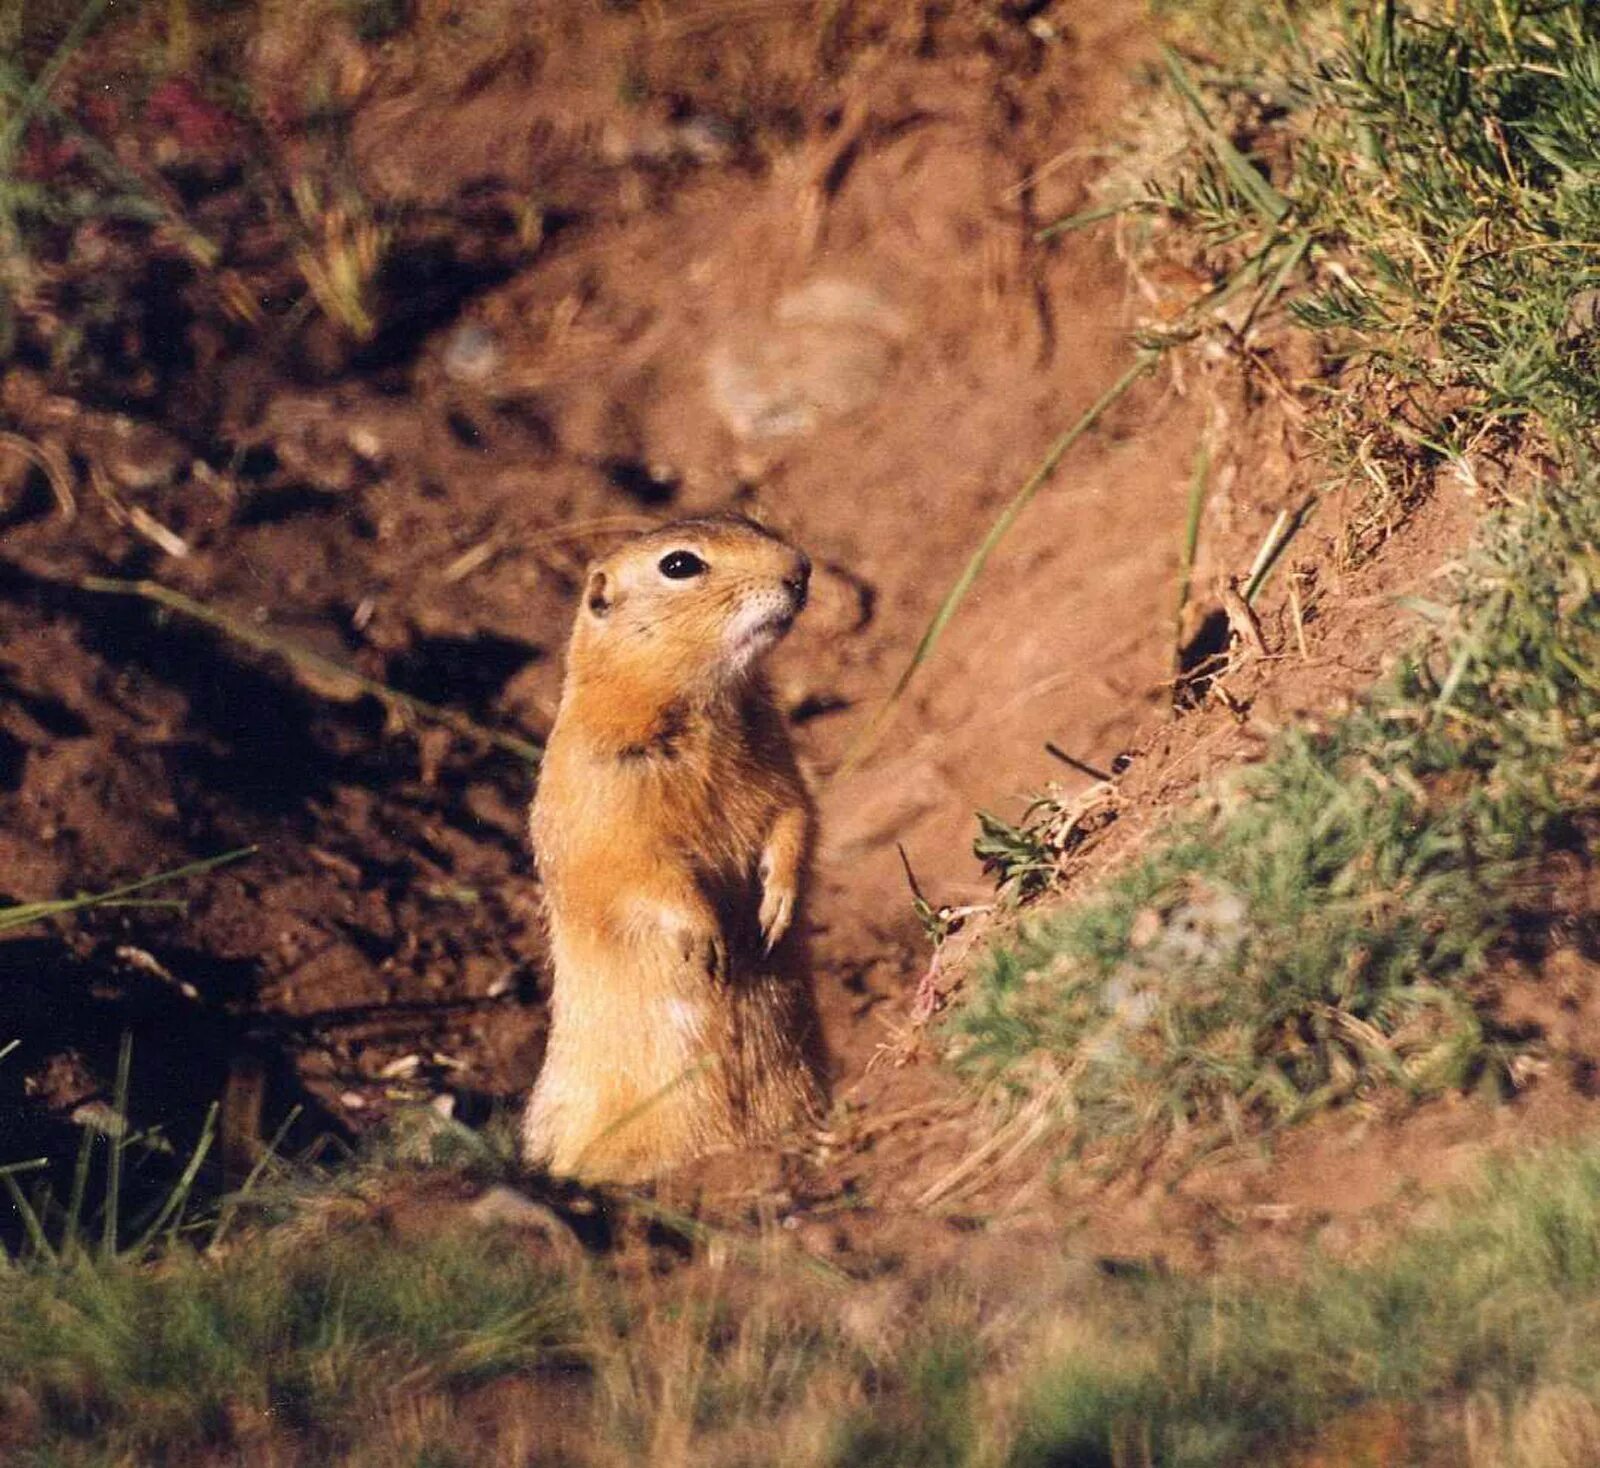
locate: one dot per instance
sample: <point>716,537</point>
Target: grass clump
<point>317,1339</point>
<point>1435,189</point>
<point>926,1417</point>
<point>1318,933</point>
<point>1469,1334</point>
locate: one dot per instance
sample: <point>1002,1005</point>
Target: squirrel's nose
<point>799,578</point>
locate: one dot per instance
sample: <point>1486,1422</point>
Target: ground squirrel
<point>673,831</point>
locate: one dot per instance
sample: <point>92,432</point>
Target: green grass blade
<point>1142,363</point>
<point>71,1243</point>
<point>33,1164</point>
<point>1268,202</point>
<point>1272,553</point>
<point>137,200</point>
<point>26,913</point>
<point>1299,246</point>
<point>37,1238</point>
<point>41,86</point>
<point>172,1206</point>
<point>1198,480</point>
<point>116,1140</point>
<point>1085,217</point>
<point>231,1203</point>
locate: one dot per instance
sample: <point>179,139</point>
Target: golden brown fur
<point>673,834</point>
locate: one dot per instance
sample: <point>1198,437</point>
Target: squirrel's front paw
<point>777,912</point>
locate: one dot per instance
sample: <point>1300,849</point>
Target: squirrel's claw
<point>777,912</point>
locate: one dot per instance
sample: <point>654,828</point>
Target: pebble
<point>707,139</point>
<point>367,446</point>
<point>506,1206</point>
<point>1582,316</point>
<point>827,351</point>
<point>472,354</point>
<point>140,457</point>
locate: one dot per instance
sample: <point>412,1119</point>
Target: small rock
<point>637,140</point>
<point>1582,316</point>
<point>828,351</point>
<point>506,1206</point>
<point>472,354</point>
<point>785,385</point>
<point>707,139</point>
<point>367,446</point>
<point>140,457</point>
<point>831,301</point>
<point>502,1204</point>
<point>97,1116</point>
<point>317,451</point>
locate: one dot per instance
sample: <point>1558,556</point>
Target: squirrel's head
<point>700,599</point>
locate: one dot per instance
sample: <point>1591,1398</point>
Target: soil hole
<point>650,485</point>
<point>468,672</point>
<point>1200,660</point>
<point>424,286</point>
<point>71,1013</point>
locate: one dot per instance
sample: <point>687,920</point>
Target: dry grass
<point>342,1341</point>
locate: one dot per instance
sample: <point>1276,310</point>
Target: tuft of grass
<point>1439,168</point>
<point>40,1213</point>
<point>57,175</point>
<point>1317,935</point>
<point>1466,1340</point>
<point>924,1412</point>
<point>321,1340</point>
<point>342,246</point>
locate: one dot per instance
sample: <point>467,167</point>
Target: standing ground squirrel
<point>673,833</point>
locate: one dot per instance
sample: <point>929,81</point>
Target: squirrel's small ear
<point>597,593</point>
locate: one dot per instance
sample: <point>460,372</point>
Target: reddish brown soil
<point>390,908</point>
<point>428,531</point>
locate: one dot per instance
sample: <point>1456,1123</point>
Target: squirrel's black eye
<point>680,565</point>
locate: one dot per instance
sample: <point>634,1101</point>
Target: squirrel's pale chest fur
<point>673,831</point>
